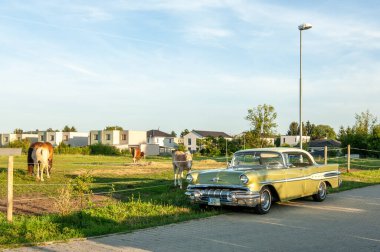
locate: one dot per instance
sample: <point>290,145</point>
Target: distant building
<point>7,138</point>
<point>165,141</point>
<point>293,140</point>
<point>123,139</point>
<point>317,147</point>
<point>190,139</point>
<point>73,139</point>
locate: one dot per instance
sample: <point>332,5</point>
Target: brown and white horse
<point>30,160</point>
<point>182,161</point>
<point>137,154</point>
<point>40,156</point>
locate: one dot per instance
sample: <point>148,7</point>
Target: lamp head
<point>304,26</point>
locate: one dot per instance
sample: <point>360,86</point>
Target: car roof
<point>275,149</point>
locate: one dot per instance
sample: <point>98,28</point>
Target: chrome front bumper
<point>223,196</point>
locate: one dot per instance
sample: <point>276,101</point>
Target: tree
<point>363,135</point>
<point>18,131</point>
<point>365,122</point>
<point>262,119</point>
<point>308,128</point>
<point>323,131</point>
<point>113,128</point>
<point>68,129</point>
<point>51,130</point>
<point>184,132</point>
<point>173,133</point>
<point>293,129</point>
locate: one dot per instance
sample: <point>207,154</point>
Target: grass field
<point>127,196</point>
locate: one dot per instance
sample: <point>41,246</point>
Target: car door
<point>298,173</point>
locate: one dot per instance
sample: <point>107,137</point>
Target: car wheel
<point>322,192</point>
<point>265,201</point>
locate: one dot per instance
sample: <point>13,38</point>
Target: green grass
<point>148,199</point>
<point>115,217</point>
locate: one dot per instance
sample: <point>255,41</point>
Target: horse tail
<point>30,161</point>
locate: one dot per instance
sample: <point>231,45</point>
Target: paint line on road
<point>365,238</point>
<point>361,197</point>
<point>326,208</point>
<point>279,224</point>
<point>376,204</point>
<point>226,243</point>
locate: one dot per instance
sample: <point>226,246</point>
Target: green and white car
<point>257,177</point>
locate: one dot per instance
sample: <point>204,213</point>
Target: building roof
<point>324,142</point>
<point>157,133</point>
<point>204,133</point>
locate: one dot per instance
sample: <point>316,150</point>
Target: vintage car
<point>257,177</point>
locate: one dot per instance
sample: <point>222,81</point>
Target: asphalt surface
<point>347,221</point>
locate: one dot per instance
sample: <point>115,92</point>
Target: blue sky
<point>185,64</point>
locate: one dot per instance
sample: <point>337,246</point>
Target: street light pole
<point>301,27</point>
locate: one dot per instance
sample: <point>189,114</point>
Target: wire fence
<point>28,190</point>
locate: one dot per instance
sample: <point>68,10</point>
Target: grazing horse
<point>181,161</point>
<point>30,160</point>
<point>137,154</point>
<point>40,156</point>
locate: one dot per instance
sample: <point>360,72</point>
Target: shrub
<point>23,144</point>
<point>102,149</point>
<point>63,148</point>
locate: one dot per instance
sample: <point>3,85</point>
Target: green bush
<point>63,148</point>
<point>102,149</point>
<point>23,144</point>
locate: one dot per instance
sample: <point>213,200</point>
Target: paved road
<point>347,221</point>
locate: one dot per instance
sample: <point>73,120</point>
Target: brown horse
<point>137,154</point>
<point>34,146</point>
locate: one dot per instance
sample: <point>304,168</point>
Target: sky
<point>179,64</point>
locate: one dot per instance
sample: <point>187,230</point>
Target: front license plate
<point>214,201</point>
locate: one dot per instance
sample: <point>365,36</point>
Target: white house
<point>121,139</point>
<point>75,139</point>
<point>165,141</point>
<point>293,140</point>
<point>190,139</point>
<point>7,138</point>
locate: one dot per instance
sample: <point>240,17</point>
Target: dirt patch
<point>42,205</point>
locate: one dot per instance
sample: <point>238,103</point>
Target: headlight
<point>189,178</point>
<point>244,179</point>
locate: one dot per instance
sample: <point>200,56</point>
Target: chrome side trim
<point>315,176</point>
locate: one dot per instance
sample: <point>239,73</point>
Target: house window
<point>108,136</point>
<point>51,138</point>
<point>170,140</point>
<point>124,137</point>
<point>189,141</point>
<point>156,140</point>
<point>96,137</point>
<point>42,138</point>
<point>66,138</point>
<point>283,140</point>
<point>6,139</point>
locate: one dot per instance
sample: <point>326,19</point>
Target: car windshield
<point>256,160</point>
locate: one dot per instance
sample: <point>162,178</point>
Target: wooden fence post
<point>10,190</point>
<point>325,155</point>
<point>10,152</point>
<point>348,158</point>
